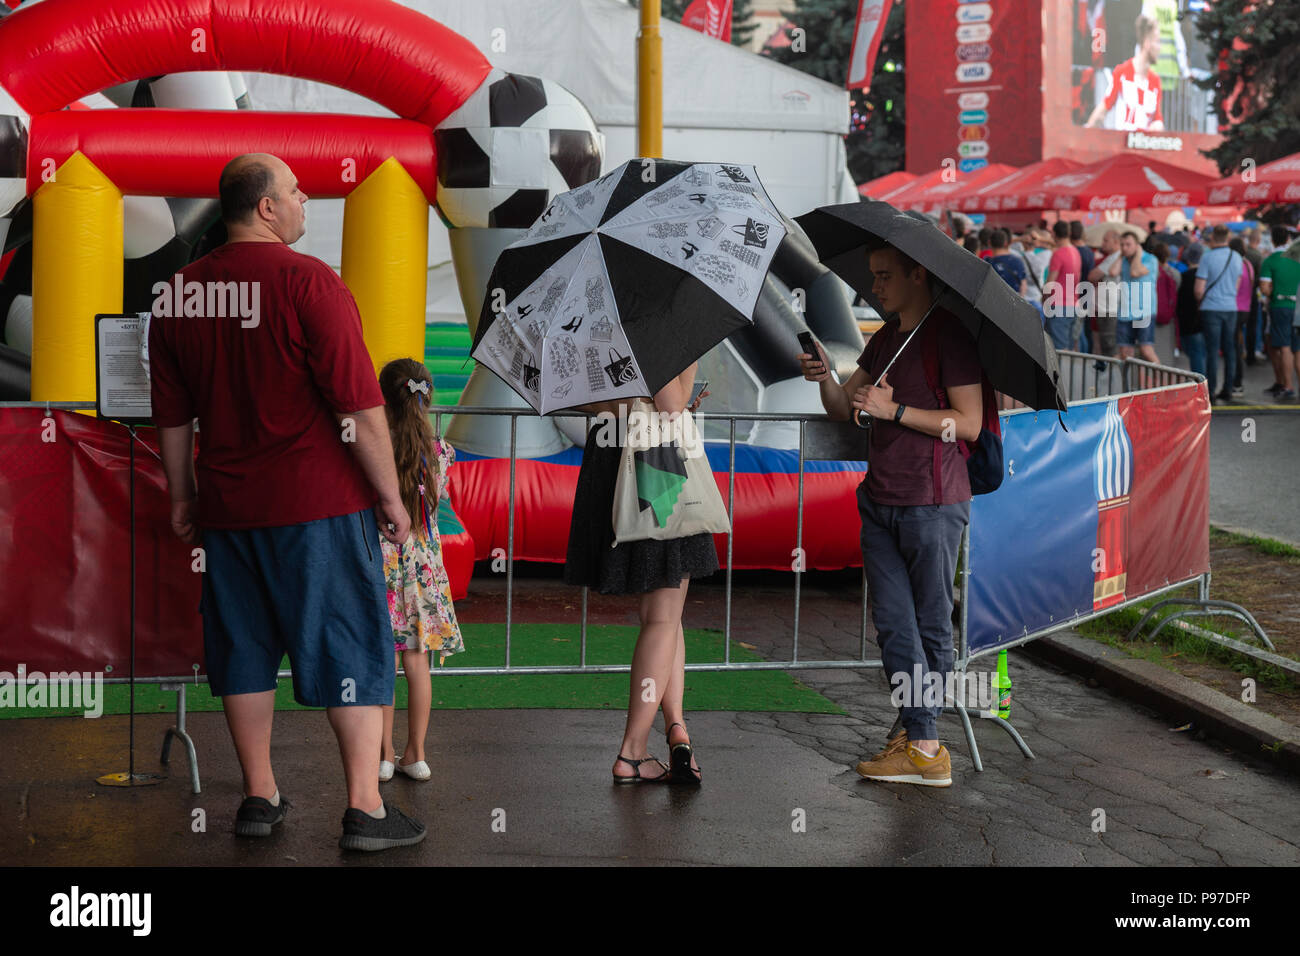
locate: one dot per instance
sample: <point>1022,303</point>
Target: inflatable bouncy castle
<point>114,126</point>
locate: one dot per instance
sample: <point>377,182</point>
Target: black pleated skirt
<point>634,567</point>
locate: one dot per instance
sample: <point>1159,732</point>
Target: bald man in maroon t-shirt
<point>263,347</point>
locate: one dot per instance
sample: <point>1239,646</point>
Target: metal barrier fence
<point>1085,378</point>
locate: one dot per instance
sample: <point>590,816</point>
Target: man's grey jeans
<point>910,556</point>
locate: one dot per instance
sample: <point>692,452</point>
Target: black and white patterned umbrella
<point>624,282</point>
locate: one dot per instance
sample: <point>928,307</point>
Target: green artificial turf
<point>536,645</point>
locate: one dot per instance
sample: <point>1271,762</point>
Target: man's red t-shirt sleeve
<point>171,400</point>
<point>336,352</point>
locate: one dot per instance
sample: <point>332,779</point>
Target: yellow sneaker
<point>894,745</point>
<point>902,762</point>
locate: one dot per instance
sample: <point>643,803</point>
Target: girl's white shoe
<point>385,771</point>
<point>416,771</point>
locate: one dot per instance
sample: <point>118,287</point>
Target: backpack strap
<point>930,362</point>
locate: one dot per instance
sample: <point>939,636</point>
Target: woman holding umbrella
<point>658,573</point>
<point>613,295</point>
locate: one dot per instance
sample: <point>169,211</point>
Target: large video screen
<point>1135,63</point>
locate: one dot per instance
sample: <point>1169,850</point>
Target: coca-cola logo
<point>1256,191</point>
<point>1171,199</point>
<point>993,203</point>
<point>1292,191</point>
<point>1118,201</point>
<point>1062,202</point>
<point>1037,199</point>
<point>1219,194</point>
<point>1281,165</point>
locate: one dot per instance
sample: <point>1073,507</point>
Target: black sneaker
<point>1274,389</point>
<point>256,816</point>
<point>361,831</point>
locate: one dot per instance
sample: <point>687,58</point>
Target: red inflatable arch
<point>52,54</point>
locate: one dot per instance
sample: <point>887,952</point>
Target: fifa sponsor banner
<point>868,31</point>
<point>977,83</point>
<point>1107,512</point>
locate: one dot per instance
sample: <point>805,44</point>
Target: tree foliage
<point>1256,84</point>
<point>874,145</point>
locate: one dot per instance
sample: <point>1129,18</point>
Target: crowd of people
<point>1230,299</point>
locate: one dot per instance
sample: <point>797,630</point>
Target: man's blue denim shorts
<point>314,591</point>
<point>1128,333</point>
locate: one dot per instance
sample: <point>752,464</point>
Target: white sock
<point>380,813</point>
<point>919,750</point>
<point>275,800</point>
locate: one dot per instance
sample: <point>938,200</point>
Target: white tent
<point>721,103</point>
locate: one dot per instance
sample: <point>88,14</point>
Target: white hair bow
<point>415,386</point>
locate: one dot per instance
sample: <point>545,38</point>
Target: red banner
<point>710,17</point>
<point>65,571</point>
<point>868,31</point>
<point>973,84</point>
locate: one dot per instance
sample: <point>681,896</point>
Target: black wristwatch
<point>898,415</point>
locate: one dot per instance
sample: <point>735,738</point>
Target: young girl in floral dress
<point>419,592</point>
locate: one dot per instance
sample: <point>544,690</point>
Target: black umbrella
<point>1014,350</point>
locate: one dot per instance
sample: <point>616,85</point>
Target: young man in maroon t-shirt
<point>263,346</point>
<point>912,517</point>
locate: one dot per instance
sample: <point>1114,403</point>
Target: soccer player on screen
<point>1134,85</point>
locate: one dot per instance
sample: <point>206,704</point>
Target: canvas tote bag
<point>665,487</point>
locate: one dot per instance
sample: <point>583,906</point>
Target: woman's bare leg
<point>652,672</point>
<point>673,696</point>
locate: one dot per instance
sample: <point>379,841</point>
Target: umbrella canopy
<point>1275,182</point>
<point>1018,191</point>
<point>920,184</point>
<point>949,194</point>
<point>1092,234</point>
<point>1013,348</point>
<point>625,281</point>
<point>1125,181</point>
<point>887,183</point>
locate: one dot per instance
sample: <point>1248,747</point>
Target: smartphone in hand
<point>696,392</point>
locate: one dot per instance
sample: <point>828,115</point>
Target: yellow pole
<point>76,273</point>
<point>650,83</point>
<point>386,260</point>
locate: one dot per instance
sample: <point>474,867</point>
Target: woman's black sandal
<point>680,769</point>
<point>636,768</point>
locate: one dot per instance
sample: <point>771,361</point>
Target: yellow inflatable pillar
<point>76,273</point>
<point>386,261</point>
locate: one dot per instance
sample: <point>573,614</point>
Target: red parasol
<point>1275,182</point>
<point>1124,181</point>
